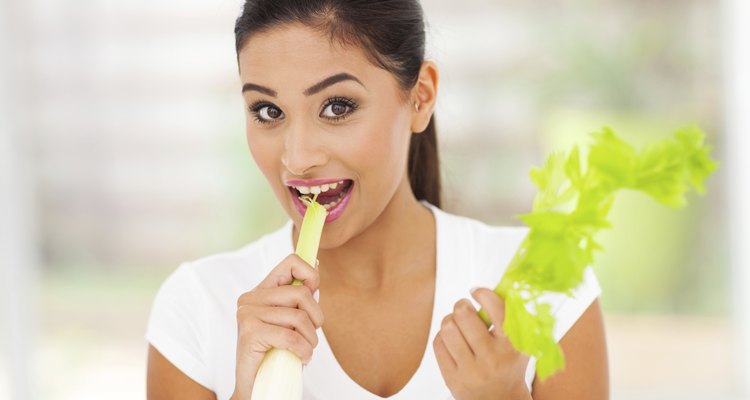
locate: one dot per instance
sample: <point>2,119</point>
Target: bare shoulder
<point>165,382</point>
<point>586,374</point>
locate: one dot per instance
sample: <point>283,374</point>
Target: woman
<point>339,102</point>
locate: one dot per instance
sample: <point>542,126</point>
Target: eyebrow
<point>333,79</point>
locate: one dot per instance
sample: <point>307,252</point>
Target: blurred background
<point>122,154</point>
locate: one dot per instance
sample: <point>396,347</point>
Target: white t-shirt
<point>193,318</point>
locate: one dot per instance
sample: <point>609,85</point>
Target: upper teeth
<point>318,189</point>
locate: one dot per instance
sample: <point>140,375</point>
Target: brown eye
<point>338,108</point>
<point>266,113</point>
<point>273,113</point>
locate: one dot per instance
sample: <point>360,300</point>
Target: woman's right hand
<point>276,314</point>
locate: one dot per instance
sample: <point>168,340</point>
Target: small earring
<point>416,107</point>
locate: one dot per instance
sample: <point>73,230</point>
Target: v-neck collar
<point>324,378</point>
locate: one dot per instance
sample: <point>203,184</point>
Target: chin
<point>331,240</point>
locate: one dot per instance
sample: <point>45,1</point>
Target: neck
<point>390,251</point>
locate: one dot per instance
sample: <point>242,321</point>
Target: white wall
<point>17,254</point>
<point>737,97</point>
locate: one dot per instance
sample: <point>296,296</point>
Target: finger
<point>290,268</point>
<point>274,336</point>
<point>495,307</point>
<point>303,300</point>
<point>455,342</point>
<point>472,327</point>
<point>446,363</point>
<point>290,318</point>
<point>287,296</point>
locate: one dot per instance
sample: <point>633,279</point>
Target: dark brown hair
<point>392,34</point>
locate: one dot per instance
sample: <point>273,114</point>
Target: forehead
<point>295,56</point>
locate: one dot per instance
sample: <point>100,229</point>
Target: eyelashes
<point>265,113</point>
<point>349,106</point>
<point>335,109</point>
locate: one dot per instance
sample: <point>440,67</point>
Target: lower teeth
<point>334,203</point>
<point>331,205</point>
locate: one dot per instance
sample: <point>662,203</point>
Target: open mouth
<point>332,196</point>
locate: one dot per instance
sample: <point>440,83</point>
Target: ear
<point>424,93</point>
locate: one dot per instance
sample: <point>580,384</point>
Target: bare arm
<point>165,382</point>
<point>586,374</point>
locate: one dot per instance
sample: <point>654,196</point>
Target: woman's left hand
<point>477,363</point>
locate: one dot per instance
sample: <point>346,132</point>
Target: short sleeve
<point>567,310</point>
<point>176,326</point>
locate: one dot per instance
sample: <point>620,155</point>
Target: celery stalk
<point>280,374</point>
<point>310,232</point>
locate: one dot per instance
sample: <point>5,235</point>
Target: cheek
<point>263,154</point>
<point>253,145</point>
<point>391,142</point>
<point>373,151</point>
<point>382,152</point>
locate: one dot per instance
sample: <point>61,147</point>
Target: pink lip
<point>313,182</point>
<point>333,214</point>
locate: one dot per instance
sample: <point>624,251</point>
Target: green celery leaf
<point>561,243</point>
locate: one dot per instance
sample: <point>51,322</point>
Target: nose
<point>302,150</point>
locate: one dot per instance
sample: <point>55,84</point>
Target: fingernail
<point>474,289</point>
<point>316,295</point>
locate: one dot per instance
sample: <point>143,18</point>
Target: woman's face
<point>320,114</point>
